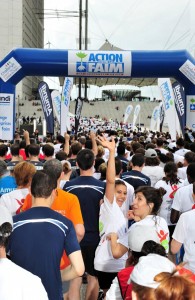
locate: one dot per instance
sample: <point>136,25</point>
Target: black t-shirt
<point>89,192</point>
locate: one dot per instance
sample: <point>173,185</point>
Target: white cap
<point>141,234</point>
<point>148,267</point>
<point>151,153</point>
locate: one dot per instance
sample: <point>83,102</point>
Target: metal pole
<point>86,38</point>
<point>80,38</point>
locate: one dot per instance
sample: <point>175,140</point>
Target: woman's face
<point>120,194</point>
<point>140,206</point>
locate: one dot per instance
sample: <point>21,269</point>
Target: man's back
<point>136,178</point>
<point>89,192</point>
<point>38,239</point>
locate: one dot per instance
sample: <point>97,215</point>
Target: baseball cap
<point>148,267</point>
<point>150,153</point>
<point>140,234</point>
<point>5,216</point>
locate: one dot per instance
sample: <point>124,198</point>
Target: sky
<point>127,24</point>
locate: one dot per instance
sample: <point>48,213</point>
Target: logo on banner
<point>99,63</point>
<point>168,101</point>
<point>178,99</point>
<point>67,92</point>
<point>192,105</point>
<point>10,68</point>
<point>5,100</point>
<point>45,100</point>
<point>156,114</point>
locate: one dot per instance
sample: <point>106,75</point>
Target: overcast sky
<point>127,24</point>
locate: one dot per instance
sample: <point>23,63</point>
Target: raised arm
<point>67,143</point>
<point>26,137</point>
<point>111,172</point>
<point>94,144</point>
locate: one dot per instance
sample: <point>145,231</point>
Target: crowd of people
<point>109,207</point>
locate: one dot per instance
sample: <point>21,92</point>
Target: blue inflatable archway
<point>40,62</point>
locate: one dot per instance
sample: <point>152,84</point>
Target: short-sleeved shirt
<point>136,178</point>
<point>168,198</point>
<point>67,205</point>
<point>14,200</point>
<point>89,192</point>
<point>183,200</point>
<point>39,237</point>
<point>184,233</point>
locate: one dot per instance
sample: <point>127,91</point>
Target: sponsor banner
<point>78,108</point>
<point>10,68</point>
<point>169,104</point>
<point>6,116</point>
<point>99,63</point>
<point>128,111</point>
<point>190,111</point>
<point>188,69</point>
<point>154,118</point>
<point>56,100</point>
<point>46,102</point>
<point>180,103</point>
<point>135,114</point>
<point>65,103</point>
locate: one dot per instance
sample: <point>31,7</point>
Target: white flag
<point>65,103</point>
<point>56,99</point>
<point>135,114</point>
<point>154,119</point>
<point>169,104</point>
<point>128,112</point>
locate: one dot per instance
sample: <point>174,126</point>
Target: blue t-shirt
<point>7,184</point>
<point>37,242</point>
<point>89,192</point>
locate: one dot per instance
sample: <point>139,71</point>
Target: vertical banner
<point>78,108</point>
<point>46,101</point>
<point>135,114</point>
<point>154,118</point>
<point>169,104</point>
<point>128,112</point>
<point>56,100</point>
<point>180,103</point>
<point>6,116</point>
<point>190,109</point>
<point>65,103</point>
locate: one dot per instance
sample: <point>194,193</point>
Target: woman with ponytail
<point>171,183</point>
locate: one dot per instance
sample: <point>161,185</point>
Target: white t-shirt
<point>182,151</point>
<point>181,173</point>
<point>178,158</point>
<point>111,220</point>
<point>184,233</point>
<point>114,292</point>
<point>183,200</point>
<point>17,283</point>
<point>160,226</point>
<point>168,198</point>
<point>14,200</point>
<point>155,173</point>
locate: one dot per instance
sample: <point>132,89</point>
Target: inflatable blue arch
<point>75,63</point>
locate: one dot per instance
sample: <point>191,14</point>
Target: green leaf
<point>81,55</point>
<point>192,100</point>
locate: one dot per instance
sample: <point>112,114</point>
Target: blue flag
<point>78,108</point>
<point>180,103</point>
<point>47,106</point>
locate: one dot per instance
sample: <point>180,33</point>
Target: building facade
<point>21,27</point>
